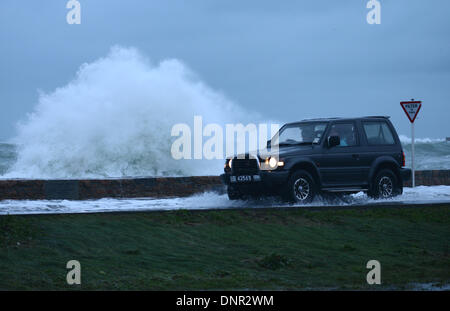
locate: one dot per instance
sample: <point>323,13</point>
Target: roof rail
<point>320,119</point>
<point>385,117</point>
<point>341,118</point>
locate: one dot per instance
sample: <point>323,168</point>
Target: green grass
<point>229,249</point>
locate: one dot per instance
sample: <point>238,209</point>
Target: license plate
<point>244,178</point>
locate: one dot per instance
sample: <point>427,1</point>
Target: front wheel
<point>233,193</point>
<point>301,187</point>
<point>385,185</point>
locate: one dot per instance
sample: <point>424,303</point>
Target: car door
<point>340,165</point>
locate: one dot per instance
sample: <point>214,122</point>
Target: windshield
<point>300,133</point>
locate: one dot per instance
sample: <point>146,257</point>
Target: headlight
<point>229,163</point>
<point>273,162</point>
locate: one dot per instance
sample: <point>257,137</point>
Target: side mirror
<point>268,143</point>
<point>333,141</point>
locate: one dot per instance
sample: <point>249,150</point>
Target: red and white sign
<point>411,109</point>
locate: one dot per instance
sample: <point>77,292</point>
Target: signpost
<point>411,109</point>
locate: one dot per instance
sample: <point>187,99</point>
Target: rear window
<point>378,133</point>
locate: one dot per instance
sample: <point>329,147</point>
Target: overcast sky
<point>287,60</point>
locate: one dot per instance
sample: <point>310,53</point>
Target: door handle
<point>355,156</point>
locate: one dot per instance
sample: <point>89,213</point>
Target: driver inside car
<point>308,134</point>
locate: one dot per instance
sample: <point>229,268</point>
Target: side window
<point>346,132</point>
<point>378,133</point>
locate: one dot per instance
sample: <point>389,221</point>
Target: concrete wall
<point>143,187</point>
<point>431,178</point>
<point>107,188</point>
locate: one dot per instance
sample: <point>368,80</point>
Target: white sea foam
<point>115,118</point>
<point>208,200</point>
<point>407,140</point>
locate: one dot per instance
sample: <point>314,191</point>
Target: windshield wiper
<point>285,144</point>
<point>296,144</point>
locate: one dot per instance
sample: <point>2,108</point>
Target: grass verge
<point>277,249</point>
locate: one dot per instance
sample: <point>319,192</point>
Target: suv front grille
<point>245,167</point>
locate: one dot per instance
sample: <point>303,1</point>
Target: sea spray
<point>431,153</point>
<point>114,119</point>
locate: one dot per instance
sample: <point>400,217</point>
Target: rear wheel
<point>385,185</point>
<point>301,187</point>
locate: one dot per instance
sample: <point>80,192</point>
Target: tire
<point>233,193</point>
<point>301,188</point>
<point>385,185</point>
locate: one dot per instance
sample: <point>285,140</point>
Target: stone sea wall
<point>157,187</point>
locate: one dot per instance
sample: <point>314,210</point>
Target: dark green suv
<point>344,155</point>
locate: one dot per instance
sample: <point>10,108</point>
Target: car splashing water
<point>210,200</point>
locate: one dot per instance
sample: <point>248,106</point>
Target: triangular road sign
<point>411,109</point>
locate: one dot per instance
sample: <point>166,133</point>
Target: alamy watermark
<point>374,15</point>
<point>74,15</point>
<point>214,141</point>
<point>374,275</point>
<point>74,274</point>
